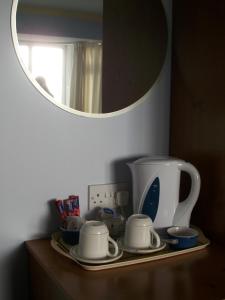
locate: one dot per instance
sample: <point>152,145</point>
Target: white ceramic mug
<point>94,241</point>
<point>139,233</point>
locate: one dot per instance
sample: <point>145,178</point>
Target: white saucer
<point>140,251</point>
<point>105,260</point>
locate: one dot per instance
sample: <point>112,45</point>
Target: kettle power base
<point>127,259</point>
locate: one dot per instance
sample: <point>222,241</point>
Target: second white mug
<point>139,233</point>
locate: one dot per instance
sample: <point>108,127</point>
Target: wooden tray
<point>127,258</point>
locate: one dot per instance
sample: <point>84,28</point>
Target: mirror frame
<point>62,106</point>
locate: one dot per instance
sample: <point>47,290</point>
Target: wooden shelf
<point>197,275</point>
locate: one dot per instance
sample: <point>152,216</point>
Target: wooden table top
<point>198,275</point>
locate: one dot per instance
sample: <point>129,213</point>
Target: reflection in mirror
<point>88,60</point>
<point>61,46</point>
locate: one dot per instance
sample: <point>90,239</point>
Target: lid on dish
<point>182,232</point>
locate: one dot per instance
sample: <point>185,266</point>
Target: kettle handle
<point>184,209</point>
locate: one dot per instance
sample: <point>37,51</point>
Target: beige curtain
<point>86,78</point>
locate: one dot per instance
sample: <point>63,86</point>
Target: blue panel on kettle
<point>151,201</point>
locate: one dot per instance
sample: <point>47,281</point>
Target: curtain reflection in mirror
<point>86,78</point>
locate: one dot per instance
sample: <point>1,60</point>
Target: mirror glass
<point>91,56</point>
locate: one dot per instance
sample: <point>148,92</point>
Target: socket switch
<point>104,195</point>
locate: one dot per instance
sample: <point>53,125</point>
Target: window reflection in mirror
<point>89,60</point>
<point>45,63</point>
<point>66,70</point>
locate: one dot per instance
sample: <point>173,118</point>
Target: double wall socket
<point>104,195</point>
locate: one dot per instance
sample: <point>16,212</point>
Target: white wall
<point>46,152</point>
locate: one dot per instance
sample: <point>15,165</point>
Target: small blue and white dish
<point>181,237</point>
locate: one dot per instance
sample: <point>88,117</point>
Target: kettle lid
<point>156,159</point>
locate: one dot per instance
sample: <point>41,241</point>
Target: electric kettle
<point>156,185</point>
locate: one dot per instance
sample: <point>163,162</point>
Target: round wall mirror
<point>88,56</point>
